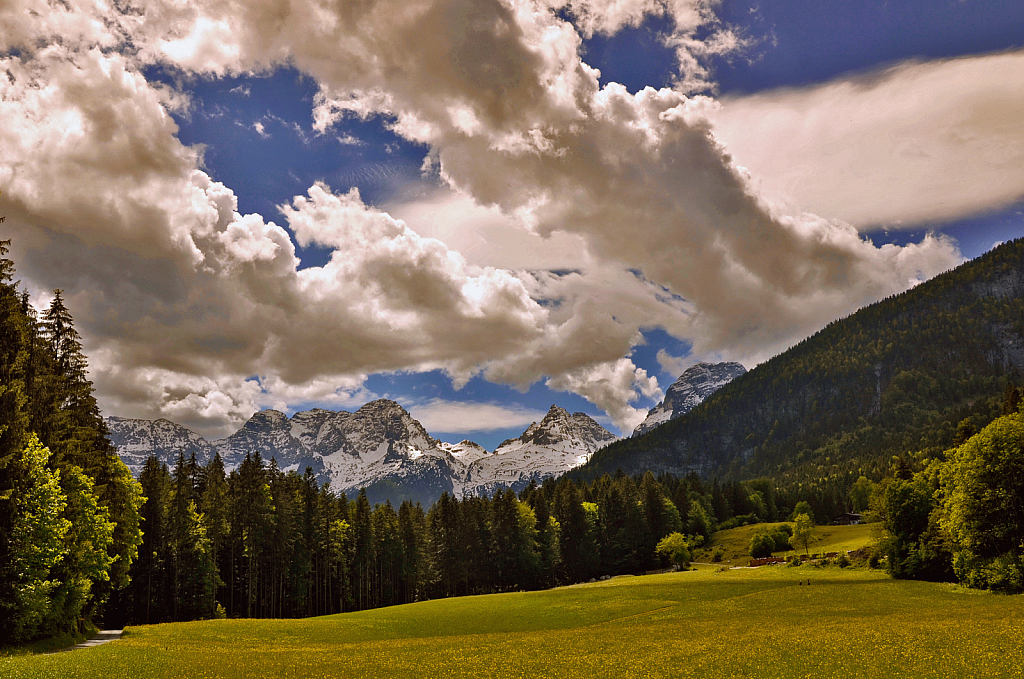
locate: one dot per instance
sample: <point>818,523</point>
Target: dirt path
<point>105,636</point>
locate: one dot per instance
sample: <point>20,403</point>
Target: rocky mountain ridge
<point>695,384</point>
<point>380,447</point>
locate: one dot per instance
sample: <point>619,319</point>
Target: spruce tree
<point>15,341</point>
<point>363,557</point>
<point>215,507</point>
<point>151,574</point>
<point>411,546</point>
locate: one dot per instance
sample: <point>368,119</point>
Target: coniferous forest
<point>265,543</point>
<point>898,376</point>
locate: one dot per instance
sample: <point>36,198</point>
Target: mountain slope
<point>695,384</point>
<point>895,377</point>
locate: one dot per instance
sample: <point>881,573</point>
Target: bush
<point>766,541</point>
<point>782,535</point>
<point>717,555</point>
<point>982,485</point>
<point>762,544</point>
<point>793,561</point>
<point>842,561</point>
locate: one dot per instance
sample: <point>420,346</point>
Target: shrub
<point>762,544</point>
<point>717,555</point>
<point>766,541</point>
<point>982,487</point>
<point>782,534</point>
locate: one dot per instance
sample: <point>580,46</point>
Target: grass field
<point>704,623</point>
<point>736,541</point>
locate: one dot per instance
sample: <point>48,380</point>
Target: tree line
<point>82,541</point>
<point>262,542</point>
<point>69,519</point>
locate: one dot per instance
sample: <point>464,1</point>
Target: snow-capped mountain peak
<point>695,384</point>
<point>554,445</point>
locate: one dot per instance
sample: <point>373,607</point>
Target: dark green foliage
<point>897,376</point>
<point>16,346</point>
<point>46,401</point>
<point>1011,400</point>
<point>580,557</point>
<point>905,510</point>
<point>150,588</point>
<point>700,522</point>
<point>766,541</point>
<point>285,547</point>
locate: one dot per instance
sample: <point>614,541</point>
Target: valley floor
<point>763,622</point>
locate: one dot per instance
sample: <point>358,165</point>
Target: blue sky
<point>269,116</point>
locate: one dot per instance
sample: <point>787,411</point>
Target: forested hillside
<point>69,521</point>
<point>897,377</point>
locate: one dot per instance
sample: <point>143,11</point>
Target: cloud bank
<point>194,311</point>
<point>915,143</point>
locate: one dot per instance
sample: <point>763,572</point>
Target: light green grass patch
<point>735,542</point>
<point>758,622</point>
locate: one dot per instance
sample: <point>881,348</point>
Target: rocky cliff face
<point>138,439</point>
<point>693,386</point>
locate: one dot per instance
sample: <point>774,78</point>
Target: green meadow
<point>735,542</point>
<point>710,622</point>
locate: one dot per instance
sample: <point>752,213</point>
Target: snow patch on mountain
<point>464,451</point>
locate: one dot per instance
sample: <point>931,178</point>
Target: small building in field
<point>847,519</point>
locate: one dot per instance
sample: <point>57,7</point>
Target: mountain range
<point>383,448</point>
<point>379,447</point>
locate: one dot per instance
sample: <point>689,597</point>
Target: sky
<point>480,208</point>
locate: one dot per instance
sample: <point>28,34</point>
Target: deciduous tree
<point>983,485</point>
